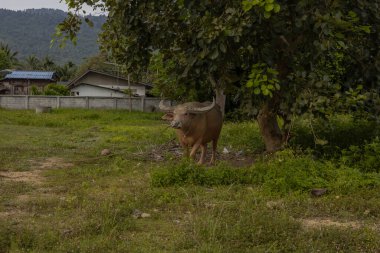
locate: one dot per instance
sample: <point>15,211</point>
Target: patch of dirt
<point>32,177</point>
<point>159,153</point>
<point>13,213</point>
<point>51,163</point>
<point>25,198</point>
<point>318,223</point>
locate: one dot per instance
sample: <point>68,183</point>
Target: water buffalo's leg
<point>213,156</point>
<point>203,154</point>
<point>185,148</point>
<point>194,149</point>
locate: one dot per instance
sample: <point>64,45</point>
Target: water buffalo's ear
<point>168,116</point>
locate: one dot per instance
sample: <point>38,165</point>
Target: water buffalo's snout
<point>175,124</point>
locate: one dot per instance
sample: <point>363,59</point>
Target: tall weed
<point>281,173</point>
<point>365,158</point>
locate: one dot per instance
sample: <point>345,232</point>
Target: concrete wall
<point>31,102</point>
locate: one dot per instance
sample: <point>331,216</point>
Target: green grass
<point>79,201</point>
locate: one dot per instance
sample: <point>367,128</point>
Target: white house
<point>97,84</point>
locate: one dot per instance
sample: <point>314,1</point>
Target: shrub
<point>56,90</point>
<point>365,158</point>
<point>281,173</point>
<point>328,137</point>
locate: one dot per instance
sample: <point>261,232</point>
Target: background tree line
<point>29,32</point>
<point>9,60</point>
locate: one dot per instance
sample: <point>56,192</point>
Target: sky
<point>36,4</point>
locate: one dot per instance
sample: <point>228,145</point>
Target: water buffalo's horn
<point>203,109</point>
<point>164,107</point>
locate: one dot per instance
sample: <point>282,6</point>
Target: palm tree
<point>33,63</point>
<point>11,55</point>
<point>66,72</point>
<point>48,64</point>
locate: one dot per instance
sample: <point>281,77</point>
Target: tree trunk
<point>269,129</point>
<point>219,93</point>
<point>220,100</point>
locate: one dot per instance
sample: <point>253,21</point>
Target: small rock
<point>105,152</point>
<point>66,231</point>
<point>177,221</point>
<point>225,151</point>
<point>136,214</point>
<point>145,215</point>
<point>318,192</point>
<point>158,157</point>
<point>240,153</point>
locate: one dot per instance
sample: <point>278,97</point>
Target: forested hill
<point>29,32</point>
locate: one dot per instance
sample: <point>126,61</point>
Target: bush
<point>365,158</point>
<point>328,137</point>
<point>56,90</point>
<point>281,173</point>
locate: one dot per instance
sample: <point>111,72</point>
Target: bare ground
<point>32,177</point>
<point>172,148</point>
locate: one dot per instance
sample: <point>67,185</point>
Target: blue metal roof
<point>30,75</point>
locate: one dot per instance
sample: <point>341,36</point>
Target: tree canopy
<point>276,58</point>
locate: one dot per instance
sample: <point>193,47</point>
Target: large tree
<point>281,58</point>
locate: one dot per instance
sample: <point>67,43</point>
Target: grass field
<point>58,194</point>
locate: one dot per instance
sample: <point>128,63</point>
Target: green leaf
<point>366,28</point>
<point>320,142</point>
<point>247,5</point>
<point>255,2</point>
<point>352,14</point>
<point>222,48</point>
<point>214,54</point>
<point>257,91</point>
<point>267,15</point>
<point>277,8</point>
<point>269,7</point>
<point>249,83</point>
<point>266,92</point>
<point>256,83</point>
<point>341,43</point>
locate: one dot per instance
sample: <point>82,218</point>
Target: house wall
<point>92,91</point>
<point>31,102</point>
<point>110,82</point>
<point>23,87</point>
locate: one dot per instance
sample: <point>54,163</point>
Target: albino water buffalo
<point>196,125</point>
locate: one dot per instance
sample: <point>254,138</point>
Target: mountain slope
<point>30,32</point>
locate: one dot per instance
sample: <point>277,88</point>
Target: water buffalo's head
<point>182,116</point>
